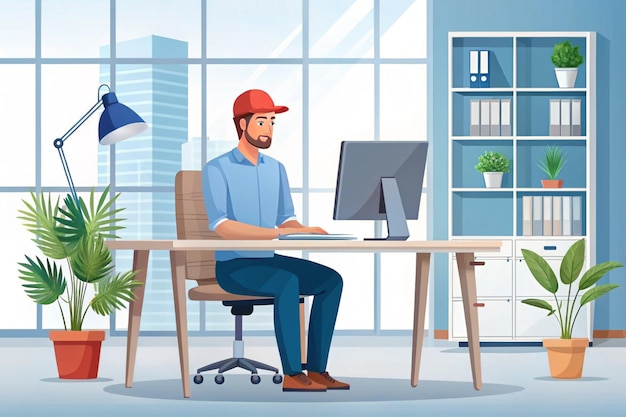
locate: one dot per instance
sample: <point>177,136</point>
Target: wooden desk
<point>464,250</point>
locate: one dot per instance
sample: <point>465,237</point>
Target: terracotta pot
<point>552,183</point>
<point>566,357</point>
<point>77,352</point>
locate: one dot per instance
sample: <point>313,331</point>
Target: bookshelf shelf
<point>522,75</point>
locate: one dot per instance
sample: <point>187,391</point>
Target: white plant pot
<point>566,77</point>
<point>493,179</point>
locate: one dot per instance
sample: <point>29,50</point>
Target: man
<point>247,196</point>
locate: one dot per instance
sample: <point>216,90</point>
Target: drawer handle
<point>549,248</point>
<point>479,304</point>
<point>477,263</point>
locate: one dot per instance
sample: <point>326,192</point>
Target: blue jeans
<point>285,278</point>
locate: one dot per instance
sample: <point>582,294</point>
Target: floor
<point>516,381</point>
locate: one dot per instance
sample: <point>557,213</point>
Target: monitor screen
<point>381,180</point>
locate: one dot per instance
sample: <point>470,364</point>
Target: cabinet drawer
<point>505,250</point>
<point>493,279</point>
<point>544,247</point>
<point>495,319</point>
<point>527,286</point>
<point>533,322</point>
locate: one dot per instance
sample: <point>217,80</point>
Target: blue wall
<point>602,16</point>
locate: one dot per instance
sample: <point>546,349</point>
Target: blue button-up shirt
<point>235,189</point>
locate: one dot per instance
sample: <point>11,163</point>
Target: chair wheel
<point>277,379</point>
<point>219,379</point>
<point>255,379</point>
<point>198,379</point>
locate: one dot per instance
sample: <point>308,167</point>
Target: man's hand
<point>303,229</point>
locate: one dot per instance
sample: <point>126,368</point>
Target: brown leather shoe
<point>325,379</point>
<point>300,382</point>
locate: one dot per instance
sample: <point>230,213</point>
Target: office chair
<point>192,223</point>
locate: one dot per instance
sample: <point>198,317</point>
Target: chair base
<point>244,363</point>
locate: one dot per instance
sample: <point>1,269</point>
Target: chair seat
<point>213,292</point>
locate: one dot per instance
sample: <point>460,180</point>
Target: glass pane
<point>17,29</point>
<point>403,20</point>
<point>341,108</point>
<point>284,84</point>
<point>74,28</point>
<point>158,19</point>
<point>17,125</point>
<point>161,95</point>
<point>13,298</point>
<point>254,29</point>
<point>341,28</point>
<point>397,272</point>
<point>68,92</point>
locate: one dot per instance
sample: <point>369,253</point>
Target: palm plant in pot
<point>566,355</point>
<point>566,59</point>
<point>493,165</point>
<point>75,233</point>
<point>552,163</point>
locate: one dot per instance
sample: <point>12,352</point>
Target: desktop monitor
<point>381,180</point>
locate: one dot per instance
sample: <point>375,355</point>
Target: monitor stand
<point>397,228</point>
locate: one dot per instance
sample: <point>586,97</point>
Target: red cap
<point>255,101</point>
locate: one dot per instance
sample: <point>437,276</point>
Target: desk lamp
<point>117,122</point>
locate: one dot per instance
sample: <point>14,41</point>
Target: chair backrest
<point>192,223</point>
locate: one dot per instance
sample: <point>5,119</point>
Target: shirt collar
<point>242,159</point>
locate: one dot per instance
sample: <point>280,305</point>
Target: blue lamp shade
<point>118,122</point>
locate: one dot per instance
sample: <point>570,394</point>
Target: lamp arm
<point>58,143</point>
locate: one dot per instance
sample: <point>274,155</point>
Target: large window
<point>347,70</point>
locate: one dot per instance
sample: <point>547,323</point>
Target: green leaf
<point>71,224</point>
<point>540,304</point>
<point>113,292</point>
<point>44,283</point>
<point>573,262</point>
<point>100,219</point>
<point>596,292</point>
<point>596,272</point>
<point>40,220</point>
<point>92,260</point>
<point>541,270</point>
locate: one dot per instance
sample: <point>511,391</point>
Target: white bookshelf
<point>521,71</point>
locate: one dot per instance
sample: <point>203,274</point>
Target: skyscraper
<point>159,94</point>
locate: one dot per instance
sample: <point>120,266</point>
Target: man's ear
<point>242,123</point>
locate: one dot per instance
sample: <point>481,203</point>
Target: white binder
<point>577,221</point>
<point>565,117</point>
<point>576,130</point>
<point>527,212</point>
<point>484,118</point>
<point>475,116</point>
<point>494,118</point>
<point>537,215</point>
<point>505,117</point>
<point>547,215</point>
<point>557,211</point>
<point>567,215</point>
<point>555,117</point>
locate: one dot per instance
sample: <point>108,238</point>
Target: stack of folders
<point>479,69</point>
<point>552,215</point>
<point>565,117</point>
<point>490,117</point>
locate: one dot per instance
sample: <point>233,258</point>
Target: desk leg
<point>140,264</point>
<point>177,263</point>
<point>419,312</point>
<point>468,292</point>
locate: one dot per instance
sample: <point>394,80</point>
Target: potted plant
<point>492,165</point>
<point>566,59</point>
<point>75,233</point>
<point>552,162</point>
<point>566,355</point>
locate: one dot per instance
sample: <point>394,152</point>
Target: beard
<point>257,142</point>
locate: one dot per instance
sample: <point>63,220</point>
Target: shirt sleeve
<point>215,193</point>
<point>285,204</point>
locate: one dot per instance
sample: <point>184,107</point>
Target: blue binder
<point>483,62</point>
<point>473,69</point>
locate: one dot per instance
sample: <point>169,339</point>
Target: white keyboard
<point>317,236</point>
